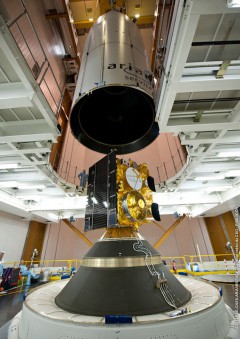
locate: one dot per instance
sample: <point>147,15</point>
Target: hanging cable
<point>140,247</point>
<point>161,281</point>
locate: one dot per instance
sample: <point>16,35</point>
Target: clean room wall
<point>75,157</point>
<point>62,243</point>
<point>13,232</point>
<point>183,240</point>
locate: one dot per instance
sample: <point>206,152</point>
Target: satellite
<point>119,194</point>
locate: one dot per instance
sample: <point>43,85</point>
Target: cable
<point>140,247</point>
<point>161,282</point>
<point>169,302</point>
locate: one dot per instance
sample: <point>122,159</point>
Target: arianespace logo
<point>140,77</point>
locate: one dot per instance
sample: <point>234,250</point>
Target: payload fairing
<point>113,106</point>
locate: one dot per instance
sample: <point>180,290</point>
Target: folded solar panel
<point>101,209</point>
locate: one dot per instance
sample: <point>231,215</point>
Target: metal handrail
<point>41,75</point>
<point>165,170</point>
<point>180,261</point>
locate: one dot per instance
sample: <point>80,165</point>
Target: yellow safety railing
<point>183,263</point>
<point>180,262</point>
<point>65,263</point>
<point>211,257</point>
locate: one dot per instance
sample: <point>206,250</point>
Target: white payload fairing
<point>113,106</point>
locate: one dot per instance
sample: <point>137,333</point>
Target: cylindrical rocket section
<point>113,105</point>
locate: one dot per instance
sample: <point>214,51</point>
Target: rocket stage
<point>209,317</point>
<point>125,279</point>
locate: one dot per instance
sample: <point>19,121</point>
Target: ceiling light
<point>90,19</point>
<point>29,186</point>
<point>8,183</point>
<point>212,177</point>
<point>217,189</point>
<point>137,16</point>
<point>229,154</point>
<point>233,3</point>
<point>6,166</point>
<point>232,173</point>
